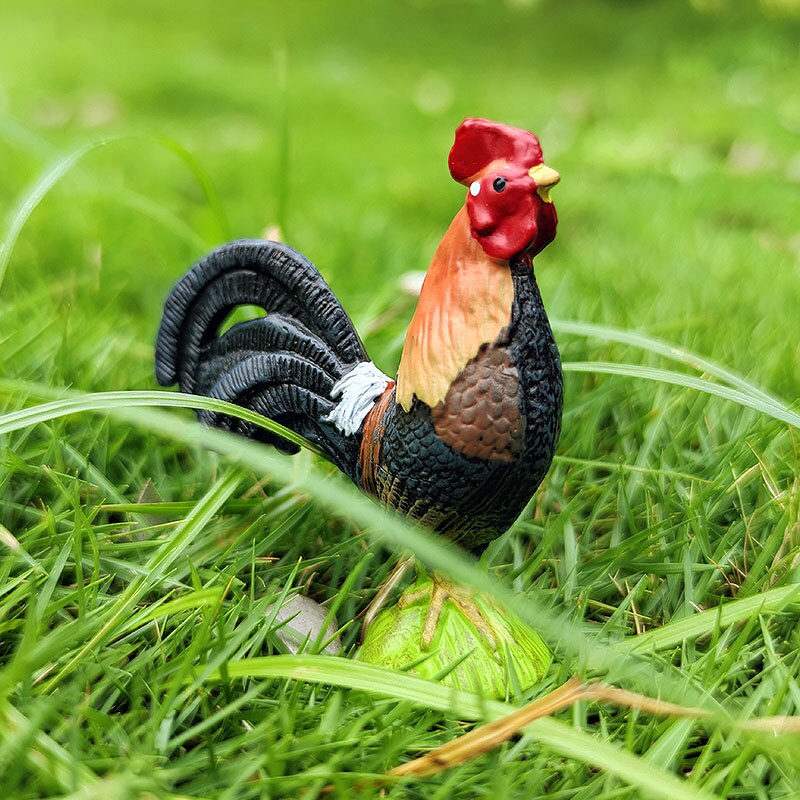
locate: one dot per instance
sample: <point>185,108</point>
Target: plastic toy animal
<point>464,436</point>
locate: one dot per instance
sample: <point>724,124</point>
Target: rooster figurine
<point>464,436</point>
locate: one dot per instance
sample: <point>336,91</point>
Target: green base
<point>460,655</point>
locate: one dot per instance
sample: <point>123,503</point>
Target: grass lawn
<point>139,553</point>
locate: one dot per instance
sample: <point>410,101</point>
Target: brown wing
<point>480,416</point>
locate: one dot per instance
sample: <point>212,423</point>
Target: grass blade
<point>46,754</point>
<point>769,407</point>
<point>52,174</point>
<point>33,196</point>
<point>665,349</point>
<point>105,401</point>
<point>156,568</point>
<point>705,622</point>
<point>553,734</point>
<point>587,649</point>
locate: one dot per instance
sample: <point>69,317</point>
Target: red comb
<point>479,142</point>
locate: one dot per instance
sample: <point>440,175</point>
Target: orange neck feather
<point>465,302</point>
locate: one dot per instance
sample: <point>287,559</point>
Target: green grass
<point>137,655</point>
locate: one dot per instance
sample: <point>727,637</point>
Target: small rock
<point>303,619</point>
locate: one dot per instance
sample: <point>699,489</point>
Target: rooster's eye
<point>499,184</point>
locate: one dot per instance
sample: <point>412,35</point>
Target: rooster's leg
<point>463,599</point>
<point>384,591</point>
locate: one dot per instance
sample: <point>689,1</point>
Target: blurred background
<point>675,125</point>
<point>136,136</point>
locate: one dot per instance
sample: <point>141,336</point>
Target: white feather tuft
<point>359,390</point>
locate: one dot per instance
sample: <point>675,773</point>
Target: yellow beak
<point>545,178</point>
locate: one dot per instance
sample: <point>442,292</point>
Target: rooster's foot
<point>449,633</point>
<point>463,599</point>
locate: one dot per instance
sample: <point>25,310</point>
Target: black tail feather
<point>276,333</point>
<point>263,384</point>
<point>284,365</point>
<point>248,272</point>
